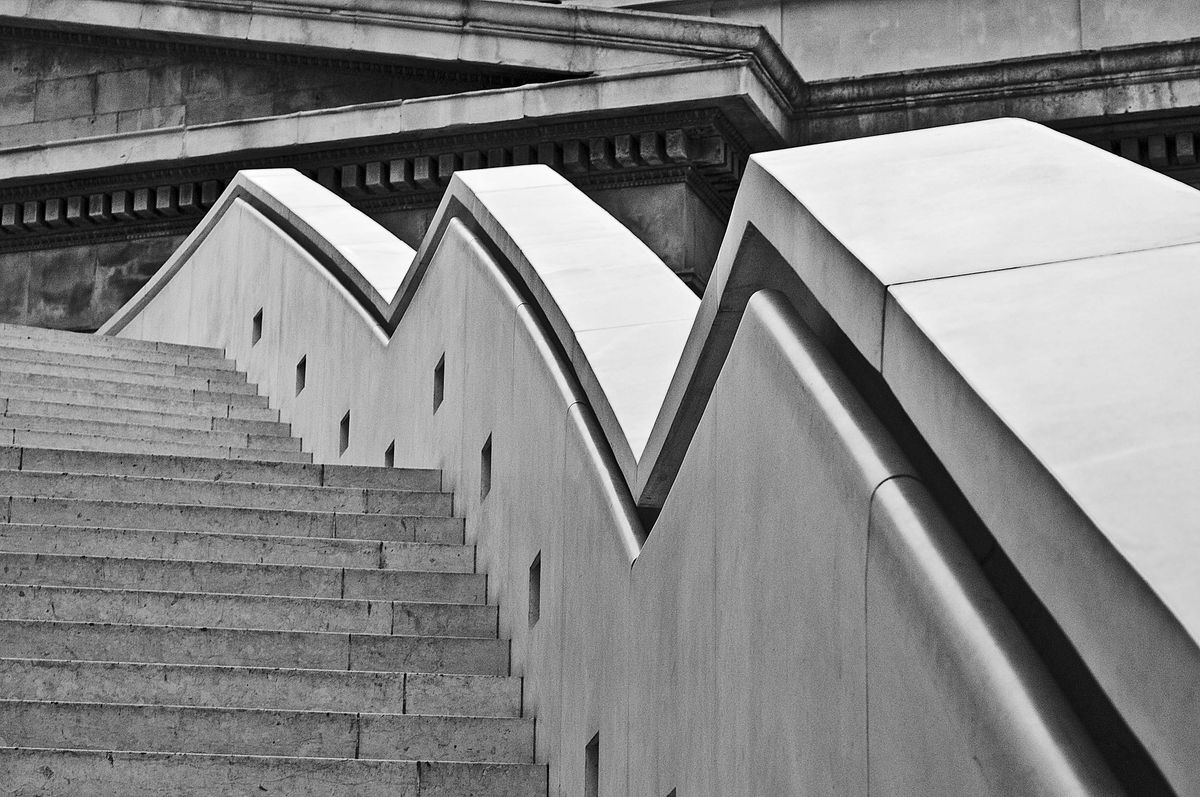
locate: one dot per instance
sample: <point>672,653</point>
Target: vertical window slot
<point>535,590</point>
<point>439,382</point>
<point>485,469</point>
<point>591,768</point>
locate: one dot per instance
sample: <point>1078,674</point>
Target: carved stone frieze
<point>699,146</point>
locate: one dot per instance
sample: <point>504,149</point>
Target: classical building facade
<point>123,121</point>
<point>811,412</point>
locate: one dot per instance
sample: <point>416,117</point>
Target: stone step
<point>81,396</point>
<point>304,581</point>
<point>210,610</point>
<point>106,463</point>
<point>80,442</point>
<point>130,364</point>
<point>271,522</point>
<point>246,394</point>
<point>204,492</point>
<point>155,644</point>
<point>158,434</point>
<point>170,420</point>
<point>61,340</point>
<point>258,687</point>
<point>203,729</point>
<point>220,547</point>
<point>108,376</point>
<point>76,773</point>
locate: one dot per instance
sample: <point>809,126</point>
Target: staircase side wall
<point>738,651</point>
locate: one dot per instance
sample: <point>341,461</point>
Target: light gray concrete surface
<point>977,307</point>
<point>939,641</point>
<point>781,459</point>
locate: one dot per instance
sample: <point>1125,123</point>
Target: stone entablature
<point>66,84</point>
<point>837,39</point>
<point>389,176</point>
<point>652,115</point>
<point>1116,98</point>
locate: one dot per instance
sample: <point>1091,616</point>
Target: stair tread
<point>149,432</point>
<point>256,409</point>
<point>195,421</point>
<point>282,580</point>
<point>246,394</point>
<point>366,635</point>
<point>143,773</point>
<point>272,549</point>
<point>78,442</point>
<point>261,687</point>
<point>183,506</point>
<point>299,473</point>
<point>82,367</point>
<point>41,334</point>
<point>268,549</point>
<point>223,730</point>
<point>191,609</point>
<point>230,493</point>
<point>119,360</point>
<point>166,644</point>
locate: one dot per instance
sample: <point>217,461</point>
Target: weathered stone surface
<point>205,635</point>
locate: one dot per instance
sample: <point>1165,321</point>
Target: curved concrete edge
<point>815,596</point>
<point>1134,643</point>
<point>1004,200</point>
<point>763,248</point>
<point>618,312</point>
<point>512,254</point>
<point>939,640</point>
<point>365,258</point>
<point>548,37</point>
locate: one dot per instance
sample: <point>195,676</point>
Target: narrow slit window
<point>344,433</point>
<point>591,768</point>
<point>301,374</point>
<point>439,382</point>
<point>535,590</point>
<point>256,327</point>
<point>389,456</point>
<point>485,469</point>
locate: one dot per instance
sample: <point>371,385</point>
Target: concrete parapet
<point>800,588</point>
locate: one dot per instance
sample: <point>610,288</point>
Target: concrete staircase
<point>189,606</point>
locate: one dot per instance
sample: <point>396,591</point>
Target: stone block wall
<point>77,287</point>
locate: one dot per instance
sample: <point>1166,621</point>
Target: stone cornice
<point>699,146</point>
<point>1012,87</point>
<point>471,79</point>
<point>732,85</point>
<point>563,39</point>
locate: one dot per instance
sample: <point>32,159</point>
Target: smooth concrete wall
<point>1024,297</point>
<point>731,652</point>
<point>846,38</point>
